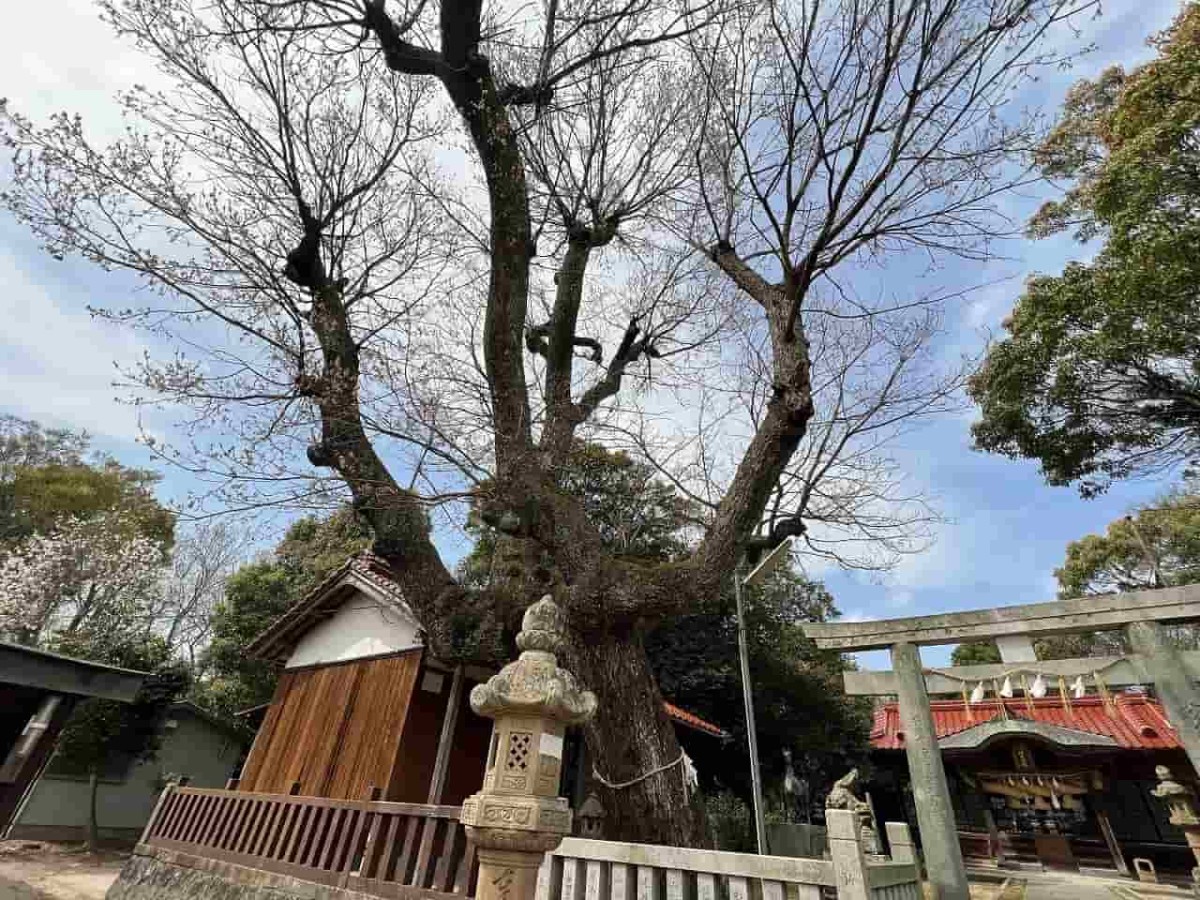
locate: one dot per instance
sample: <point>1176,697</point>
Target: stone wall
<point>153,873</point>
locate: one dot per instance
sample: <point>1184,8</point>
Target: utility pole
<point>741,582</point>
<point>760,825</point>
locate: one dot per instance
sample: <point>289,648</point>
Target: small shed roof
<point>693,721</point>
<point>30,667</point>
<point>364,571</point>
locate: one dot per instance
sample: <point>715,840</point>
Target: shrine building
<point>1025,770</point>
<point>1054,783</point>
<point>363,711</point>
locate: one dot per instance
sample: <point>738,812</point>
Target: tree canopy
<point>1158,545</point>
<point>45,478</point>
<point>655,240</point>
<point>83,543</point>
<point>1098,374</point>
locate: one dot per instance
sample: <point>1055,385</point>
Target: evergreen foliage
<point>259,593</point>
<point>1098,375</point>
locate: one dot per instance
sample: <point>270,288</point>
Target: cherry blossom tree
<point>653,244</point>
<point>97,573</point>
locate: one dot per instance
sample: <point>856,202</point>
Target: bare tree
<point>202,558</point>
<point>697,173</point>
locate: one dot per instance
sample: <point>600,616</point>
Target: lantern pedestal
<point>1181,805</point>
<point>518,817</point>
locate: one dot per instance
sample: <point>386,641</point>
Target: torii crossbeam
<point>1140,614</point>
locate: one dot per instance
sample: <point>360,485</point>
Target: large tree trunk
<point>630,737</point>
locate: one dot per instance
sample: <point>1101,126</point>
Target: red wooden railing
<point>371,846</point>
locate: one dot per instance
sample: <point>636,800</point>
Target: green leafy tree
<point>44,495</point>
<point>1098,375</point>
<point>45,478</point>
<point>259,593</point>
<point>799,702</point>
<point>975,653</point>
<point>1157,546</point>
<point>24,442</point>
<point>107,736</point>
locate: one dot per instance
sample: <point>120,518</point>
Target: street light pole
<point>760,825</point>
<point>740,582</point>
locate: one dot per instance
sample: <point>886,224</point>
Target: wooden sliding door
<point>333,730</point>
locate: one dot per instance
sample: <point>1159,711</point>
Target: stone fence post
<point>518,817</point>
<point>900,841</point>
<point>846,852</point>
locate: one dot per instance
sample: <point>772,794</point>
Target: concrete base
<point>157,874</point>
<point>69,834</point>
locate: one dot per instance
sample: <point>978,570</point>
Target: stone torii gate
<point>1140,614</point>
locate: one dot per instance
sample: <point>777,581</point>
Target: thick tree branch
<point>399,54</point>
<point>760,290</point>
<point>469,82</point>
<point>458,625</point>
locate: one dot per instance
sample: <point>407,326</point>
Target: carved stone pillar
<point>518,816</point>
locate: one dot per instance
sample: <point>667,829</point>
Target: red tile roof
<point>691,720</point>
<point>1136,722</point>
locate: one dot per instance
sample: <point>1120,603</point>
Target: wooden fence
<point>375,847</point>
<point>407,850</point>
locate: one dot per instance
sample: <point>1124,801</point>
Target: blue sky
<point>1005,530</point>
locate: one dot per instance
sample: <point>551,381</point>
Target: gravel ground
<point>34,870</point>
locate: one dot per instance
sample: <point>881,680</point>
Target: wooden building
<point>1047,783</point>
<point>196,747</point>
<point>362,711</point>
<point>38,692</point>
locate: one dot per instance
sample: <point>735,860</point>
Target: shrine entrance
<point>1038,774</point>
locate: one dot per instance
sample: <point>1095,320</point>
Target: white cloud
<point>68,59</point>
<point>938,566</point>
<point>58,362</point>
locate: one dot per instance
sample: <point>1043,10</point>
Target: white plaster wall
<point>361,627</point>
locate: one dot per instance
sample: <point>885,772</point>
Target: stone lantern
<point>1181,805</point>
<point>518,817</point>
<point>591,817</point>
